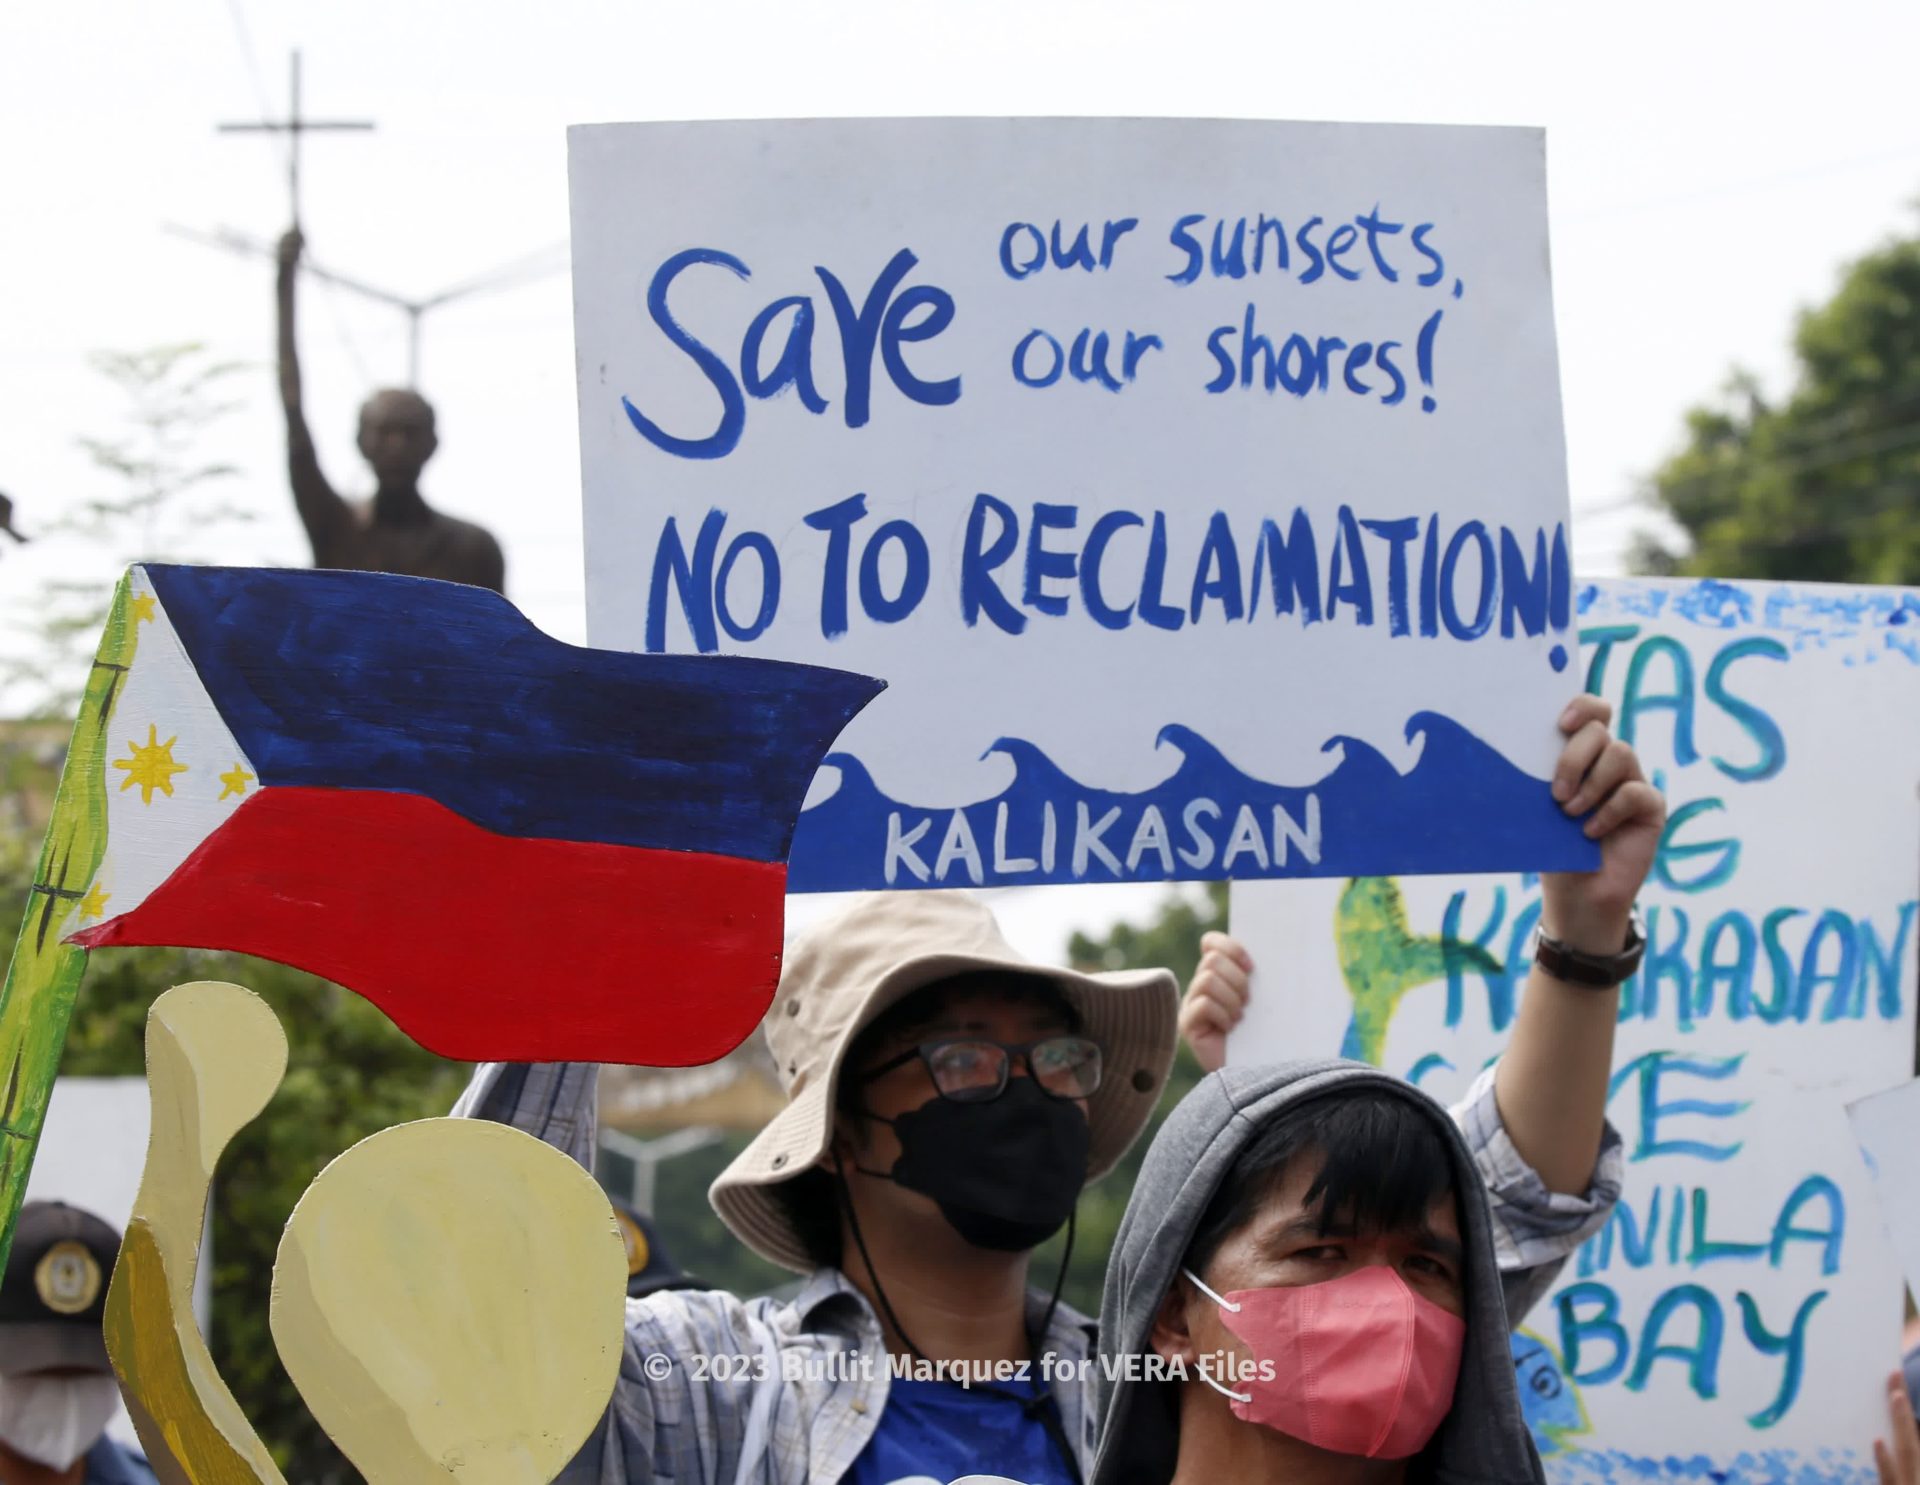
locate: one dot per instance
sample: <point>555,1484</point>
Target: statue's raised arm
<point>326,516</point>
<point>396,531</point>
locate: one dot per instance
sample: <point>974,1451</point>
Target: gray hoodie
<point>1484,1438</point>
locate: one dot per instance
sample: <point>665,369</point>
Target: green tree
<point>691,1231</point>
<point>155,505</point>
<point>1825,484</point>
<point>1170,941</point>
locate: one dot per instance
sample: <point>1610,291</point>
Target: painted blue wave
<point>1747,1467</point>
<point>1462,807</point>
<point>1865,624</point>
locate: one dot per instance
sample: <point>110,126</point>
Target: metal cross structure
<point>293,126</point>
<point>646,1157</point>
<point>524,270</point>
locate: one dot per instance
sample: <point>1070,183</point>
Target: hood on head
<point>1484,1438</point>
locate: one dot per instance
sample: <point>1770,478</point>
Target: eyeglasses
<point>973,1070</point>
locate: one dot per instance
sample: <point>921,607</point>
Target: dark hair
<point>1384,1164</point>
<point>809,1200</point>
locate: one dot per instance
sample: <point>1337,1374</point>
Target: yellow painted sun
<point>94,904</point>
<point>142,607</point>
<point>236,779</point>
<point>151,766</point>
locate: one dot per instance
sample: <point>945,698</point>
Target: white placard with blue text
<point>1198,487</point>
<point>1738,1315</point>
<point>1887,1125</point>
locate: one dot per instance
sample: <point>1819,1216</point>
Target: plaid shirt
<point>668,1422</point>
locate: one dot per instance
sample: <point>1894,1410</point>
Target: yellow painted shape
<point>166,1377</point>
<point>151,766</point>
<point>449,1299</point>
<point>215,1055</point>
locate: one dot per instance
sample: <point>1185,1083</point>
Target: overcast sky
<point>1711,165</point>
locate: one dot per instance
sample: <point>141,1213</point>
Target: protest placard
<point>1888,1128</point>
<point>1741,1309</point>
<point>1198,487</point>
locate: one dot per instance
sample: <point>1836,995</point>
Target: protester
<point>948,1101</point>
<point>1307,1260</point>
<point>1308,1256</point>
<point>57,1389</point>
<point>705,1391</point>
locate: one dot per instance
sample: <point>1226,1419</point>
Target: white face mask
<point>54,1420</point>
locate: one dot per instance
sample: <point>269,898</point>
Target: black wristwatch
<point>1601,971</point>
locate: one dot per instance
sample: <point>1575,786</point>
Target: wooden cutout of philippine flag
<point>517,848</point>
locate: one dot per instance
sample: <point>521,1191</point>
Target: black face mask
<point>1005,1173</point>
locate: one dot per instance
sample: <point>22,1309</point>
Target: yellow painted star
<point>94,904</point>
<point>151,767</point>
<point>142,607</point>
<point>236,779</point>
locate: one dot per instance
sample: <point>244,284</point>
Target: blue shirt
<point>940,1431</point>
<point>111,1463</point>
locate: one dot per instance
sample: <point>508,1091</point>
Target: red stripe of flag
<point>483,946</point>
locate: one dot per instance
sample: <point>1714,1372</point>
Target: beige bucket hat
<point>845,971</point>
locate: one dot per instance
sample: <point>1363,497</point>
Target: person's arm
<point>322,511</point>
<point>553,1101</point>
<point>667,1417</point>
<point>1537,1120</point>
<point>1551,1086</point>
<point>557,1102</point>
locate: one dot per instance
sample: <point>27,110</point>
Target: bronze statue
<point>395,531</point>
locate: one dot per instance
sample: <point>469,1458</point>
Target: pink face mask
<point>1359,1364</point>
